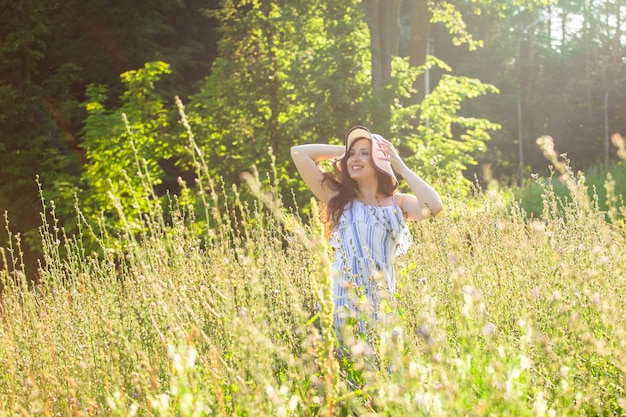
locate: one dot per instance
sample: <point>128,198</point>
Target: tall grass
<point>495,314</point>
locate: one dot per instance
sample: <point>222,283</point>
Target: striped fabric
<point>366,241</point>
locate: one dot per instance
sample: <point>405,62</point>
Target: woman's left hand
<point>389,153</point>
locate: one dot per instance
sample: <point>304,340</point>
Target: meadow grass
<point>496,313</point>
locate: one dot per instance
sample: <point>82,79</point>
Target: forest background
<point>88,93</point>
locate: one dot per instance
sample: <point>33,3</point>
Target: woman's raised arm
<point>424,202</point>
<point>306,158</point>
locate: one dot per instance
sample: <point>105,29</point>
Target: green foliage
<point>445,142</point>
<point>446,13</point>
<point>30,142</point>
<point>287,72</point>
<point>25,25</point>
<point>261,98</point>
<point>605,188</point>
<point>123,146</point>
<point>261,95</point>
<point>50,51</point>
<point>490,6</point>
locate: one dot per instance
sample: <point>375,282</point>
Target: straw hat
<point>360,132</point>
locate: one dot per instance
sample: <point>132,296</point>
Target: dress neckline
<point>376,206</point>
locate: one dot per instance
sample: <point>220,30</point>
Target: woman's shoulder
<point>403,198</point>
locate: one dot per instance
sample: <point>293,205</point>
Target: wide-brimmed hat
<point>361,132</point>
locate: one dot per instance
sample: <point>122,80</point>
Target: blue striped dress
<point>366,240</point>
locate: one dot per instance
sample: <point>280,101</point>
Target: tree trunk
<point>617,39</point>
<point>384,25</point>
<point>374,24</point>
<point>418,43</point>
<point>587,31</point>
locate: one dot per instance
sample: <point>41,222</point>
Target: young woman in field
<point>367,216</point>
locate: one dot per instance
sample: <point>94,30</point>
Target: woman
<point>367,215</point>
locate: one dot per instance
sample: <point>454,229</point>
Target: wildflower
<point>424,334</point>
<point>489,329</point>
<point>536,292</point>
<point>359,348</point>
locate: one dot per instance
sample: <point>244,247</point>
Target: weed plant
<point>605,183</point>
<point>496,314</point>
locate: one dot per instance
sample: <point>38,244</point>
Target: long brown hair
<point>348,191</point>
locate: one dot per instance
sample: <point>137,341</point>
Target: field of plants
<point>497,313</point>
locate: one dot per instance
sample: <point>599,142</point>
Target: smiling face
<point>359,162</point>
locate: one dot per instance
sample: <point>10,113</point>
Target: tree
<point>50,52</point>
<point>385,33</point>
<point>30,142</point>
<point>577,73</point>
<point>123,148</point>
<point>445,143</point>
<point>287,71</point>
<point>269,87</point>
